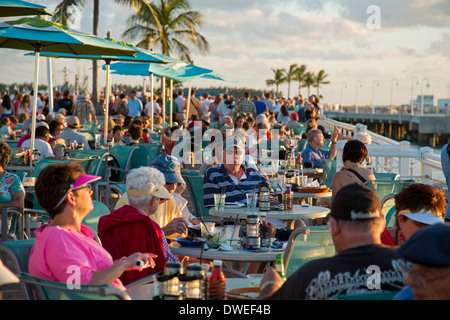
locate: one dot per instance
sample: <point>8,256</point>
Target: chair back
<point>306,244</point>
<point>44,289</point>
<point>91,220</point>
<point>123,156</point>
<point>388,209</point>
<point>18,253</point>
<point>386,176</point>
<point>384,188</point>
<point>144,154</point>
<point>195,188</point>
<point>302,145</point>
<point>329,169</point>
<point>12,228</point>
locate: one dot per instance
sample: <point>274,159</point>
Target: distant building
<point>428,102</point>
<point>443,105</point>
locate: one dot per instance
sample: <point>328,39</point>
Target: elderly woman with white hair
<point>130,229</point>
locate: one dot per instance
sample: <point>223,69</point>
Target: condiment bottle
<point>217,282</point>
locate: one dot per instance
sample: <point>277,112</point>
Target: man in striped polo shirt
<point>231,176</point>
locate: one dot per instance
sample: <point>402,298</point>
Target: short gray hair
<point>144,178</point>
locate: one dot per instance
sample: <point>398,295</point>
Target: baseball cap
<point>356,202</point>
<point>428,247</point>
<point>231,143</point>
<point>170,167</point>
<point>40,117</point>
<point>73,122</point>
<point>159,192</point>
<point>206,120</point>
<point>423,217</point>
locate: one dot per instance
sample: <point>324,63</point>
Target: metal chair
<point>388,209</point>
<point>43,289</point>
<point>384,188</point>
<point>329,169</point>
<point>17,253</point>
<point>305,244</point>
<point>12,224</point>
<point>386,176</point>
<point>144,154</point>
<point>195,188</point>
<point>91,220</point>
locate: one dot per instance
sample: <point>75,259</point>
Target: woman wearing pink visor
<point>65,250</point>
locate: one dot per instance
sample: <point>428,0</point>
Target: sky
<point>379,52</point>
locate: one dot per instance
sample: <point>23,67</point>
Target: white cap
<point>424,217</point>
<point>217,262</point>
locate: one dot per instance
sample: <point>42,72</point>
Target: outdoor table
<point>298,212</point>
<point>311,198</point>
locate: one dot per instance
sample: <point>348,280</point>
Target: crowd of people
<point>153,211</point>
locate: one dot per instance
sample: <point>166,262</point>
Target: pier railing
<point>387,155</point>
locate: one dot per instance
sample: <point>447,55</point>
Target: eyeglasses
<point>421,282</point>
<point>88,186</point>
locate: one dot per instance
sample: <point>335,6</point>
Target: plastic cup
<point>209,229</point>
<point>219,201</point>
<point>254,279</point>
<point>251,200</point>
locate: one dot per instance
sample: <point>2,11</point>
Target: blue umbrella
<point>39,35</point>
<point>180,72</point>
<point>10,8</point>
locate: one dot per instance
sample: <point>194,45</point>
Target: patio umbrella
<point>11,8</point>
<point>142,55</point>
<point>180,72</point>
<point>39,35</point>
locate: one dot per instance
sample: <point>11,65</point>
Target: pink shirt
<point>67,256</point>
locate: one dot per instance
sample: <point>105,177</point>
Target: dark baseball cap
<point>356,202</point>
<point>170,167</point>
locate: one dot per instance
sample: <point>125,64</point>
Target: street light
<point>392,93</point>
<point>421,96</point>
<point>343,85</point>
<point>373,94</point>
<point>356,98</point>
<point>412,93</point>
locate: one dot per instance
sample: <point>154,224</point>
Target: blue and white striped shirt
<point>217,177</point>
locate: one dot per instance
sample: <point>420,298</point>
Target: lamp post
<point>343,86</point>
<point>392,94</point>
<point>356,98</point>
<point>375,82</point>
<point>421,94</point>
<point>412,93</point>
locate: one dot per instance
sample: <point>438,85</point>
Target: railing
<point>388,155</point>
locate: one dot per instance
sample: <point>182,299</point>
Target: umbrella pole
<point>151,97</point>
<point>33,110</point>
<point>107,93</point>
<point>50,85</point>
<point>188,103</point>
<point>171,102</point>
<point>163,79</point>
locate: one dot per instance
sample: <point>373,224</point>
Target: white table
<point>297,212</point>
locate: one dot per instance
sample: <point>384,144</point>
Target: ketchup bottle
<point>217,282</point>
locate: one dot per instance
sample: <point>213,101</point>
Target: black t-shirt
<point>66,103</point>
<point>356,270</point>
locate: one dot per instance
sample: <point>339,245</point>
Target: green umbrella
<point>142,55</point>
<point>11,8</point>
<point>40,35</point>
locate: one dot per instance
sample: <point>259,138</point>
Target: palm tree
<point>309,80</point>
<point>279,78</point>
<point>290,75</point>
<point>300,76</point>
<point>169,24</point>
<point>63,14</point>
<point>320,79</point>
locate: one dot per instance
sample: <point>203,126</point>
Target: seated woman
<point>65,250</point>
<point>354,153</point>
<point>416,206</point>
<point>130,229</point>
<point>12,193</point>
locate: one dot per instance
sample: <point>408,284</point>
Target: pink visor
<point>84,179</point>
